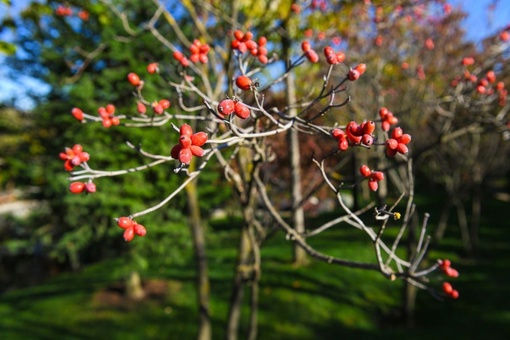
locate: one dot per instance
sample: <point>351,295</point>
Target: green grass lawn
<point>320,301</point>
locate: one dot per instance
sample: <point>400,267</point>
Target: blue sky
<point>481,22</point>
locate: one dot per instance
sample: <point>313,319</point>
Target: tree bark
<point>241,275</point>
<point>298,214</point>
<point>203,285</point>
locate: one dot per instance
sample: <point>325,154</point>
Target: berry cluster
<point>356,72</point>
<point>387,118</point>
<point>79,187</point>
<point>374,177</point>
<point>158,106</point>
<point>398,142</point>
<point>189,144</point>
<point>244,42</point>
<point>198,51</point>
<point>64,11</point>
<point>310,54</point>
<point>448,289</point>
<point>181,58</point>
<point>334,58</point>
<point>229,106</point>
<point>108,115</point>
<point>131,228</point>
<point>74,157</point>
<point>445,266</point>
<point>354,134</point>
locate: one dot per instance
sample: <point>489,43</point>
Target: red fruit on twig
<point>244,83</point>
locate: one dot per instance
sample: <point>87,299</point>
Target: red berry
<point>373,185</point>
<point>157,108</point>
<point>194,58</point>
<point>247,36</point>
<point>396,133</point>
<point>110,109</point>
<point>90,187</point>
<point>377,175</point>
<point>244,83</point>
<point>242,111</point>
<point>368,127</point>
<point>238,35</point>
<point>140,107</point>
<point>84,156</point>
<point>451,272</point>
<point>353,75</point>
<point>197,150</point>
<point>165,103</point>
<point>365,171</point>
<point>107,122</point>
<point>133,79</point>
<point>175,151</point>
<point>186,130</point>
<point>337,133</point>
<point>402,148</point>
<point>129,233</point>
<point>391,152</point>
<point>77,148</point>
<point>153,67</point>
<point>328,51</point>
<point>115,121</point>
<point>185,156</point>
<point>305,46</point>
<point>77,113</point>
<point>343,144</point>
<point>185,141</point>
<point>226,107</point>
<point>405,138</point>
<point>76,187</point>
<point>203,58</point>
<point>340,57</point>
<point>383,112</point>
<point>199,138</point>
<point>445,264</point>
<point>125,222</point>
<point>454,294</point>
<point>447,288</point>
<point>178,55</point>
<point>139,229</point>
<point>391,144</point>
<point>263,59</point>
<point>312,56</point>
<point>367,139</point>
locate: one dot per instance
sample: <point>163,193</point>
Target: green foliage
<point>57,50</point>
<point>297,303</point>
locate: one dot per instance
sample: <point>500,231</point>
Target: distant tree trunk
<point>203,286</point>
<point>298,214</point>
<point>134,289</point>
<point>241,273</point>
<point>443,220</point>
<point>410,291</point>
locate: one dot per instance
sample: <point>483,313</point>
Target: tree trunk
<point>203,285</point>
<point>410,290</point>
<point>298,214</point>
<point>241,275</point>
